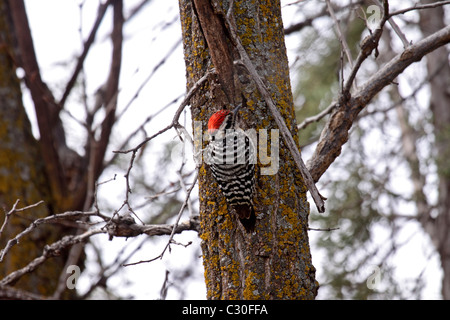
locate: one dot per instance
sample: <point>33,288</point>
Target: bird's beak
<point>237,108</point>
<point>235,111</point>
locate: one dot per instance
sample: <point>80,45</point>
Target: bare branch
<point>11,293</point>
<point>112,86</point>
<point>87,45</point>
<point>125,226</point>
<point>175,228</point>
<point>174,124</point>
<point>50,251</point>
<point>177,115</point>
<point>420,7</point>
<point>335,133</point>
<point>322,229</point>
<point>14,210</point>
<point>308,21</point>
<point>396,28</point>
<point>317,117</point>
<point>149,77</point>
<point>52,135</point>
<point>367,45</point>
<point>341,37</point>
<point>122,226</point>
<point>50,219</point>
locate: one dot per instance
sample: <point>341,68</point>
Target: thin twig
<point>87,45</point>
<point>323,229</point>
<point>309,20</point>
<point>174,227</point>
<point>335,133</point>
<point>317,117</point>
<point>395,27</point>
<point>117,227</point>
<point>140,128</point>
<point>14,210</point>
<point>38,222</point>
<point>177,115</point>
<point>367,45</point>
<point>341,37</point>
<point>149,77</point>
<point>419,7</point>
<point>49,251</point>
<point>174,124</point>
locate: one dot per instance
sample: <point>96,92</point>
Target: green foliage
<point>353,251</point>
<point>361,201</point>
<point>318,72</point>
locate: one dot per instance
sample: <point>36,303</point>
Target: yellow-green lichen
<point>272,262</point>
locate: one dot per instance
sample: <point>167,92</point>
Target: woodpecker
<point>231,155</point>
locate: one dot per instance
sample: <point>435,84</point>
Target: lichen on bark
<point>22,177</point>
<point>275,261</point>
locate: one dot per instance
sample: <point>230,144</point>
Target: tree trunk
<point>22,177</point>
<point>439,71</point>
<point>275,261</point>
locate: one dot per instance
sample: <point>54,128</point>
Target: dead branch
<point>50,251</point>
<point>176,117</point>
<point>323,229</point>
<point>14,210</point>
<point>317,117</point>
<point>125,226</point>
<point>175,228</point>
<point>87,45</point>
<point>121,226</point>
<point>174,124</point>
<point>308,21</point>
<point>394,25</point>
<point>11,293</point>
<point>112,86</point>
<point>368,45</point>
<point>335,132</point>
<point>419,7</point>
<point>340,35</point>
<point>36,223</point>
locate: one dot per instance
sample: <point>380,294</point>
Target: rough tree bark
<point>438,65</point>
<point>46,170</point>
<point>275,261</point>
<point>22,174</point>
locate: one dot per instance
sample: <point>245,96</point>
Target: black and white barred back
<point>231,156</point>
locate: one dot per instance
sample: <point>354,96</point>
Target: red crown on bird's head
<point>216,120</point>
